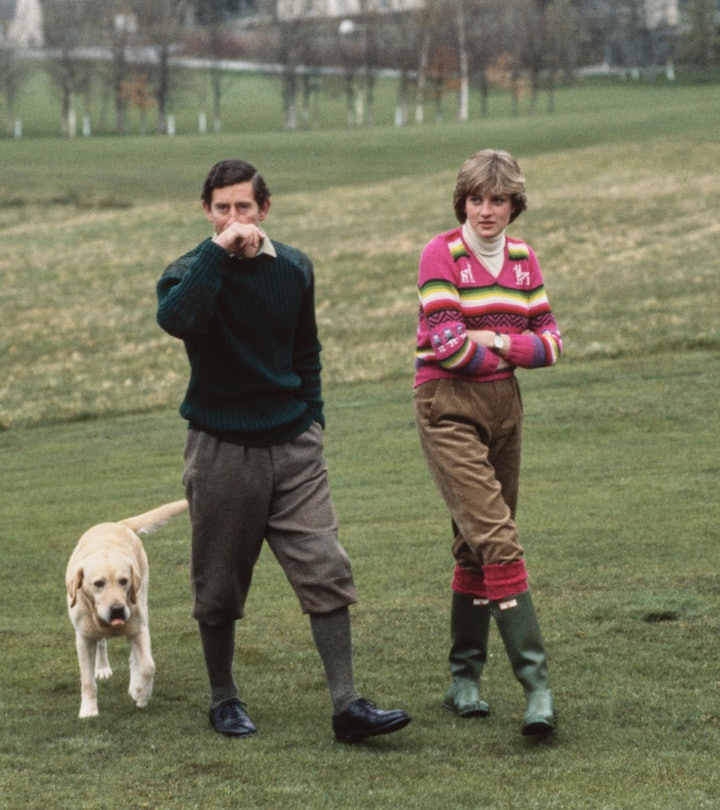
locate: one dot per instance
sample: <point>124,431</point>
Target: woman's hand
<point>486,338</point>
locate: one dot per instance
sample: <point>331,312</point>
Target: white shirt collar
<point>267,248</point>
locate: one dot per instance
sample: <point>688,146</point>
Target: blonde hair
<point>490,171</point>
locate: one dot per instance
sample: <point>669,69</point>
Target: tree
<point>360,54</point>
<point>699,44</point>
<point>565,38</point>
<point>437,55</point>
<point>13,73</point>
<point>463,62</point>
<point>487,40</point>
<point>136,95</point>
<point>160,23</point>
<point>406,45</point>
<point>120,27</point>
<point>288,52</point>
<point>425,37</point>
<point>298,50</point>
<point>66,25</point>
<point>213,14</point>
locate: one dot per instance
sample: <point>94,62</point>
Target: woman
<point>483,313</point>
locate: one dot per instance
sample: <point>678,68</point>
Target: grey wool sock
<point>218,643</point>
<point>333,639</point>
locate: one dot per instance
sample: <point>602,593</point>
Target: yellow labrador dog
<point>107,590</point>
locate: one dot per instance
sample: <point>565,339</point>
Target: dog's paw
<point>141,696</point>
<point>88,709</point>
<point>141,693</point>
<point>103,673</point>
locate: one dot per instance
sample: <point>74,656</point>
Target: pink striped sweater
<point>457,293</point>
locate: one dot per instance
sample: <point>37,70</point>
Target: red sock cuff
<point>469,582</point>
<point>505,580</point>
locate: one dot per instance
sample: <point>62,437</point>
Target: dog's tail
<point>155,518</point>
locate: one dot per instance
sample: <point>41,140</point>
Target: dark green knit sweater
<point>251,338</point>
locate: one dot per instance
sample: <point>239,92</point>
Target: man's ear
<point>264,210</point>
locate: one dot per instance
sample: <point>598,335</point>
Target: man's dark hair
<point>230,172</point>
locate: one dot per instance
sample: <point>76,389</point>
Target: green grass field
<point>618,512</point>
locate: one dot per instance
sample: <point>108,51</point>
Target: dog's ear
<point>74,585</point>
<point>135,583</point>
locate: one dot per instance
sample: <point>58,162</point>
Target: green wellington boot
<point>520,632</point>
<point>469,627</point>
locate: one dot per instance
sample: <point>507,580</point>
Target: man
<point>254,464</point>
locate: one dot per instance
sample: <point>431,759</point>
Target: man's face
<point>234,204</point>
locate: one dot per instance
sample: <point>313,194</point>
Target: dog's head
<point>109,584</point>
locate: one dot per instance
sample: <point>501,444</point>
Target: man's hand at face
<point>240,238</point>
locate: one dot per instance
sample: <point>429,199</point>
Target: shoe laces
<point>232,709</point>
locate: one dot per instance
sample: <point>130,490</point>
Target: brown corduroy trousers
<point>470,434</point>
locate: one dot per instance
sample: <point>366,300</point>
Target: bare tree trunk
<point>350,110</point>
<point>439,114</point>
<point>403,98</point>
<point>370,61</point>
<point>534,92</point>
<point>290,97</point>
<point>307,94</point>
<point>119,68</point>
<point>370,98</point>
<point>484,94</point>
<point>216,86</point>
<point>69,119</point>
<point>13,74</point>
<point>551,93</point>
<point>422,78</point>
<point>163,86</point>
<point>215,72</point>
<point>464,89</point>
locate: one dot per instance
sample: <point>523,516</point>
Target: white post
<point>72,123</point>
<point>359,110</point>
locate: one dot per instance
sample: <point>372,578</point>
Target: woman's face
<point>488,214</point>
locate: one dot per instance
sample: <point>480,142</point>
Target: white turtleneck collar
<point>491,252</point>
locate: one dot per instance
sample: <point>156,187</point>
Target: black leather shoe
<point>361,719</point>
<point>231,719</point>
